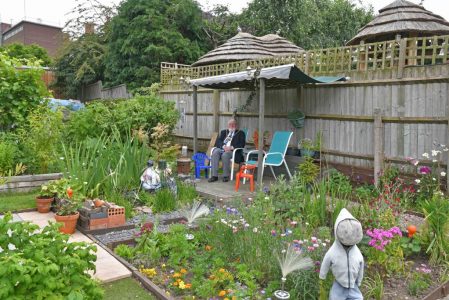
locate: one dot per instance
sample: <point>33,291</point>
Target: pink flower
<point>313,239</point>
<point>424,170</point>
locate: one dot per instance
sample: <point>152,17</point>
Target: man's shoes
<point>213,179</point>
<point>225,179</point>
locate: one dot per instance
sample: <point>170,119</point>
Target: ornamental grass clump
<point>436,211</point>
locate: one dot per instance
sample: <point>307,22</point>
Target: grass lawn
<point>17,201</point>
<point>125,289</point>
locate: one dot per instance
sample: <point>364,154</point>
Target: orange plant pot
<point>43,204</point>
<point>68,223</point>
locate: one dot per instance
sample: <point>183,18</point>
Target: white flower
<point>418,191</point>
<point>426,155</point>
<point>61,158</point>
<point>283,251</point>
<point>267,198</point>
<point>307,224</point>
<point>11,247</point>
<point>417,181</point>
<point>9,232</point>
<point>443,173</point>
<point>324,244</point>
<point>434,160</point>
<point>435,152</point>
<point>255,229</point>
<point>313,239</point>
<point>85,182</point>
<point>316,245</point>
<point>1,249</point>
<point>415,163</point>
<point>445,149</point>
<point>433,179</point>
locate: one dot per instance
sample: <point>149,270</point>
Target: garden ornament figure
<point>345,259</point>
<point>150,179</point>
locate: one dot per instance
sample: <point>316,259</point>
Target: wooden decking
<point>222,191</point>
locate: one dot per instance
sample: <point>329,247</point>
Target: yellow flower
<point>212,277</point>
<point>163,266</point>
<point>182,285</point>
<point>183,271</point>
<point>176,275</point>
<point>188,286</point>
<point>208,247</point>
<point>222,293</point>
<point>222,270</point>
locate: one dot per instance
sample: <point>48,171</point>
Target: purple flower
<point>380,237</point>
<point>273,232</point>
<point>424,170</point>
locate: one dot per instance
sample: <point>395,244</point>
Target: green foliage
<point>142,112</point>
<point>21,91</point>
<point>147,250</point>
<point>411,245</point>
<point>145,33</point>
<point>8,155</point>
<point>186,193</point>
<point>436,211</point>
<point>28,52</point>
<point>339,184</point>
<point>373,287</point>
<point>44,265</point>
<point>40,139</point>
<point>81,62</point>
<point>109,165</point>
<point>177,247</point>
<point>327,23</point>
<point>164,201</point>
<point>308,171</point>
<point>418,283</point>
<point>124,251</point>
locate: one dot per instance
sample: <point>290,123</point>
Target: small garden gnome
<point>345,259</point>
<point>150,179</point>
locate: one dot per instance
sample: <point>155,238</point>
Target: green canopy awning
<point>279,76</point>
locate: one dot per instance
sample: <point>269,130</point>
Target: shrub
<point>41,138</point>
<point>44,265</point>
<point>141,112</point>
<point>339,184</point>
<point>124,251</point>
<point>8,155</point>
<point>21,91</point>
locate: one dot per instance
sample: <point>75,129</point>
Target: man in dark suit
<point>228,140</point>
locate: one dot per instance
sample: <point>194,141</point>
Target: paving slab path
<point>108,268</point>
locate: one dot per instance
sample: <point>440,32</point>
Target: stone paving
<point>108,268</point>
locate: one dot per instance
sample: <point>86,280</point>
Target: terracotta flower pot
<point>69,223</point>
<point>43,204</point>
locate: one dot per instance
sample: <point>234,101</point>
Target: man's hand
<point>228,148</point>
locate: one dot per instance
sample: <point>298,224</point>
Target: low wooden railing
<point>417,51</point>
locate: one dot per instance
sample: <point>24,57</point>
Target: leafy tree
<point>147,32</point>
<point>21,91</point>
<point>81,63</point>
<point>220,25</point>
<point>30,52</point>
<point>307,23</point>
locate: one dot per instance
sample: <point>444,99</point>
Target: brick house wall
<point>26,32</point>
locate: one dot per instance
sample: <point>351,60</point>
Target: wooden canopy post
<point>195,119</point>
<point>378,145</point>
<point>216,98</point>
<point>261,133</point>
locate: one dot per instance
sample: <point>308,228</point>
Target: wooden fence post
<point>402,54</point>
<point>216,98</point>
<point>378,145</point>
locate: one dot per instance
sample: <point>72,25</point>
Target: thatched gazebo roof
<point>404,18</point>
<point>245,46</point>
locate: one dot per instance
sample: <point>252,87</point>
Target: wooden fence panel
<point>414,113</point>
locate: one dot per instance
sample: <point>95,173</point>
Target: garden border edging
<point>147,283</point>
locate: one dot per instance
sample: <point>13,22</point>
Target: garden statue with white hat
<point>345,259</point>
